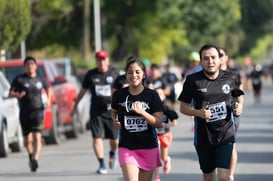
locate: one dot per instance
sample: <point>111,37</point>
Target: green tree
<point>15,23</point>
<point>256,22</point>
<point>56,21</point>
<point>145,28</point>
<point>209,21</point>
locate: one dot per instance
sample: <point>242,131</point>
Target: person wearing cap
<point>147,65</point>
<point>99,82</point>
<point>194,66</point>
<point>28,87</point>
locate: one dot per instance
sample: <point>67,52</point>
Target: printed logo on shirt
<point>109,79</point>
<point>129,105</point>
<point>26,84</point>
<point>39,85</point>
<point>226,89</point>
<point>96,80</point>
<point>203,90</point>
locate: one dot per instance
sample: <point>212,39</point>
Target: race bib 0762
<point>135,123</point>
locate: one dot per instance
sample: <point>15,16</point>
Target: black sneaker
<point>34,165</point>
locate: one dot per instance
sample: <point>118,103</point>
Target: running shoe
<point>156,178</point>
<point>102,170</point>
<point>34,165</point>
<point>113,162</point>
<point>167,166</point>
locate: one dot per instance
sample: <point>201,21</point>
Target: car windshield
<point>12,72</point>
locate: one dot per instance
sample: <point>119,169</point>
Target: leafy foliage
<point>156,30</point>
<point>15,22</point>
<point>256,22</point>
<point>56,21</point>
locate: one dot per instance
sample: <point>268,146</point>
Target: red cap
<point>102,54</point>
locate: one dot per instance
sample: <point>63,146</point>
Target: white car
<point>11,137</point>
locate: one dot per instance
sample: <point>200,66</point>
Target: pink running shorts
<point>146,159</point>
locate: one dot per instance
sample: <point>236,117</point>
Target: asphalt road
<point>74,160</point>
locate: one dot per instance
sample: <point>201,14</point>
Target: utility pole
<point>2,55</point>
<point>97,25</point>
<point>23,50</point>
<point>86,31</point>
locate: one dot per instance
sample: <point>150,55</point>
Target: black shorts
<point>32,121</point>
<point>212,157</point>
<point>172,97</point>
<point>102,127</point>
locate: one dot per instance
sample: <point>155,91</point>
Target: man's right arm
<point>78,99</point>
<point>13,90</point>
<point>187,109</point>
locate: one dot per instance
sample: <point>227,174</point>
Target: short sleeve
<point>86,80</point>
<point>45,84</point>
<point>170,113</point>
<point>156,103</point>
<point>187,92</point>
<point>117,83</point>
<point>114,103</point>
<point>14,85</point>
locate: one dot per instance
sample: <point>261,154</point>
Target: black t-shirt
<point>217,95</point>
<point>33,87</point>
<point>121,82</point>
<point>170,78</point>
<point>236,72</point>
<point>256,78</point>
<point>169,115</point>
<point>135,132</point>
<point>158,83</point>
<point>100,87</point>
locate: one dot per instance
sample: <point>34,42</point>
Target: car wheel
<point>54,135</point>
<point>18,145</point>
<point>4,146</point>
<point>75,124</point>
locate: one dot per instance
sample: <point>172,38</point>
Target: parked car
<point>10,129</point>
<point>65,66</point>
<point>58,119</point>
